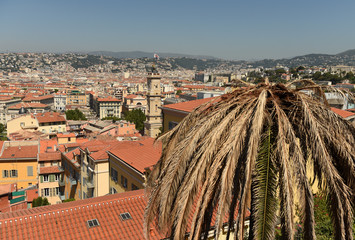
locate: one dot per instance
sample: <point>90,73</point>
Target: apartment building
<point>49,123</point>
<point>18,163</point>
<point>49,171</point>
<point>130,165</point>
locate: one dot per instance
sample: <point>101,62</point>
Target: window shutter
<point>51,178</point>
<point>41,180</point>
<point>29,171</point>
<point>3,173</point>
<point>51,192</point>
<point>42,192</point>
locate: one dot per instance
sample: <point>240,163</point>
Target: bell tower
<point>153,123</point>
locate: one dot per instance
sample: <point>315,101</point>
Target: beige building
<point>129,164</point>
<point>107,107</point>
<point>49,171</point>
<point>153,125</point>
<point>49,123</point>
<point>134,102</point>
<point>76,98</point>
<point>6,102</point>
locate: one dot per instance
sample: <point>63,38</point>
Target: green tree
<point>178,92</point>
<point>2,128</point>
<point>251,147</point>
<point>37,202</point>
<point>69,200</point>
<point>137,117</point>
<point>75,115</point>
<point>114,119</point>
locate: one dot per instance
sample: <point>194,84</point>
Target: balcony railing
<point>62,196</point>
<point>72,181</point>
<point>61,183</point>
<point>90,184</point>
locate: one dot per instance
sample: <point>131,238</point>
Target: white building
<point>60,100</point>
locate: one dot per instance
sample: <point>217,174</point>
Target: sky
<point>229,29</point>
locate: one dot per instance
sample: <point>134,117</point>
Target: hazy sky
<point>235,29</point>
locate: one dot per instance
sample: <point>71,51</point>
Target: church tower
<point>153,124</point>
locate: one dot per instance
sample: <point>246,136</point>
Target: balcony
<point>62,196</point>
<point>72,181</point>
<point>90,185</point>
<point>61,183</point>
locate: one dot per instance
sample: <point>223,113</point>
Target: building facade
<point>152,127</point>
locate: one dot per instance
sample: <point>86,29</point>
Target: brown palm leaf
<point>250,148</point>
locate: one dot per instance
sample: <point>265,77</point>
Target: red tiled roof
<point>48,145</point>
<point>65,135</point>
<point>131,96</point>
<point>20,152</point>
<point>187,106</point>
<point>28,105</point>
<point>49,156</point>
<point>108,99</point>
<point>50,117</point>
<point>51,169</point>
<point>140,156</point>
<point>69,220</point>
<point>342,113</point>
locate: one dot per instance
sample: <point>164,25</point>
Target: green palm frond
<point>264,191</point>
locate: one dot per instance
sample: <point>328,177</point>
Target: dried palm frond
<point>250,148</point>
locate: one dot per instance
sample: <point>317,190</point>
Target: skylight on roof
<point>93,223</point>
<point>125,216</point>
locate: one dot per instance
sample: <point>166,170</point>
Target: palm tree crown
<point>249,151</point>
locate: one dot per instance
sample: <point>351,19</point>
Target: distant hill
<point>347,53</point>
<point>343,58</point>
<point>140,54</point>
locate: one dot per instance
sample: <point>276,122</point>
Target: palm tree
<point>249,150</point>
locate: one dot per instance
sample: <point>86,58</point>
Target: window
<point>125,216</point>
<point>93,223</point>
<point>56,177</point>
<point>113,190</point>
<point>29,171</point>
<point>46,192</point>
<point>29,184</point>
<point>45,178</point>
<point>57,191</point>
<point>114,175</point>
<point>134,187</point>
<point>13,173</point>
<point>124,181</point>
<point>41,164</point>
<point>5,174</point>
<point>22,124</point>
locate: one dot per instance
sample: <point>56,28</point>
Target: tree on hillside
<point>137,117</point>
<point>75,115</point>
<point>251,148</point>
<point>37,202</point>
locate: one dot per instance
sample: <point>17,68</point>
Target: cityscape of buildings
<point>99,163</point>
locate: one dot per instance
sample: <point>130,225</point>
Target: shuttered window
<point>29,171</point>
<point>5,173</point>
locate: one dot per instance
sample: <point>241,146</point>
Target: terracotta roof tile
<point>50,156</point>
<point>140,156</point>
<point>50,117</point>
<point>70,219</point>
<point>51,169</point>
<point>20,152</point>
<point>28,105</point>
<point>342,113</point>
<point>187,106</point>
